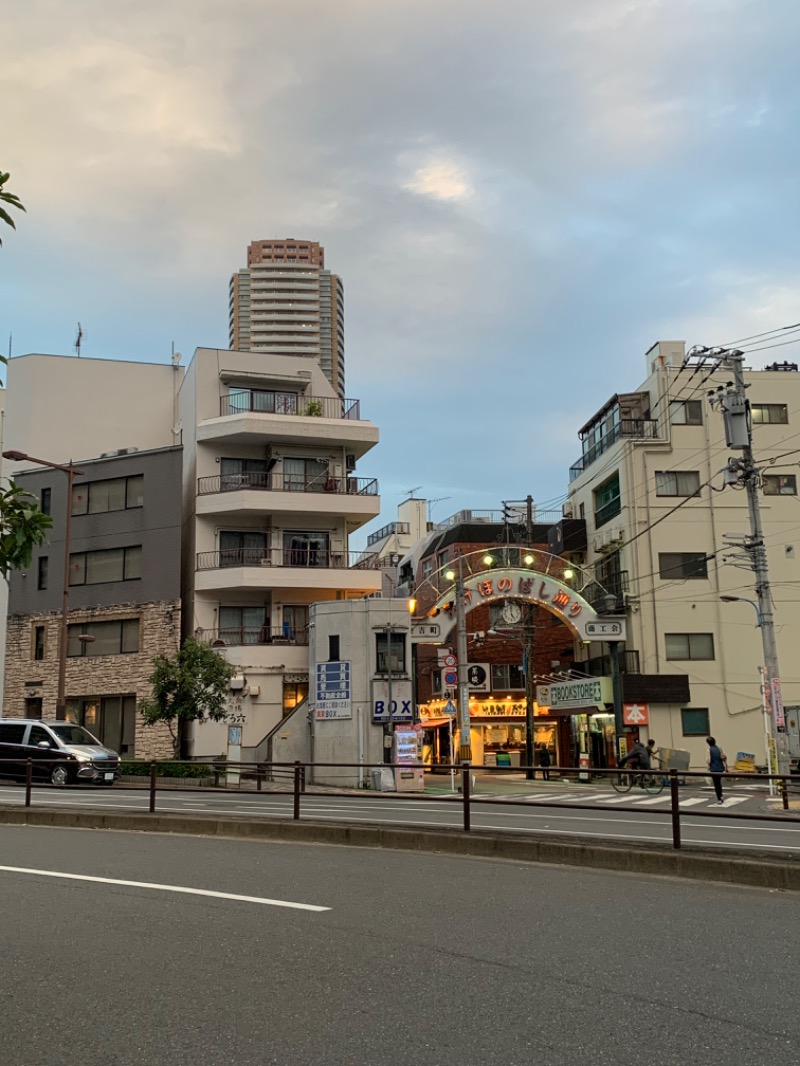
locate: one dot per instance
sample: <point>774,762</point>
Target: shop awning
<point>433,723</point>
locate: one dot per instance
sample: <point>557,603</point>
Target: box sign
<point>332,691</point>
<point>594,692</point>
<point>399,709</point>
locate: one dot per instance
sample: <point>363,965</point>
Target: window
<point>306,549</point>
<point>41,579</point>
<point>112,719</point>
<point>675,566</point>
<point>33,706</point>
<point>427,569</point>
<point>242,549</point>
<point>112,494</point>
<point>762,413</point>
<point>694,721</point>
<point>677,483</point>
<point>243,625</point>
<point>244,474</point>
<point>305,475</point>
<point>111,564</point>
<point>780,485</point>
<point>262,401</point>
<point>689,645</point>
<point>507,676</point>
<point>333,648</point>
<point>38,642</point>
<point>45,497</point>
<point>607,502</point>
<point>120,637</point>
<point>39,735</point>
<point>686,412</point>
<point>397,642</point>
<point>11,733</point>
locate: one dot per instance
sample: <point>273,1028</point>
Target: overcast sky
<point>521,197</point>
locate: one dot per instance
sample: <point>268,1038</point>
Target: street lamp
<point>610,601</point>
<point>464,724</point>
<point>70,471</point>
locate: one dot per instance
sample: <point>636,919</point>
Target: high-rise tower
<point>286,303</point>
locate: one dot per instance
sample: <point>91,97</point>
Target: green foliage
<point>22,527</point>
<point>10,199</point>
<point>191,686</point>
<point>314,408</point>
<point>141,768</point>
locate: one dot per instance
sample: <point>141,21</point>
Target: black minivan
<point>61,752</point>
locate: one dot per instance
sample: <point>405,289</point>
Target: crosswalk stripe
<point>732,800</point>
<point>615,799</point>
<point>693,801</point>
<point>652,802</point>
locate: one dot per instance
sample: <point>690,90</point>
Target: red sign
<point>636,713</point>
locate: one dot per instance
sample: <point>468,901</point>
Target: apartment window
<point>45,497</point>
<point>42,569</point>
<point>506,676</point>
<point>686,412</point>
<point>689,645</point>
<point>38,642</point>
<point>397,642</point>
<point>333,648</point>
<point>244,474</point>
<point>607,501</point>
<point>111,564</point>
<point>694,722</point>
<point>780,485</point>
<point>262,400</point>
<point>112,494</point>
<point>119,637</point>
<point>295,620</point>
<point>427,569</point>
<point>773,413</point>
<point>677,483</point>
<point>243,625</point>
<point>677,566</point>
<point>242,548</point>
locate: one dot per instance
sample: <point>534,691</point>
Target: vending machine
<point>409,775</point>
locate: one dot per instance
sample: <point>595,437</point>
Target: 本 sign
<point>332,691</point>
<point>635,713</point>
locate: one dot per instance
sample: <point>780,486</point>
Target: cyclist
<point>638,758</point>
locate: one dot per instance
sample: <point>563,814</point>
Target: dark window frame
<point>757,411</point>
<point>42,572</point>
<point>676,475</point>
<point>86,648</point>
<point>773,484</point>
<point>695,732</point>
<point>399,656</point>
<point>45,500</point>
<point>689,657</point>
<point>682,569</point>
<point>39,643</point>
<point>691,409</point>
<point>87,486</point>
<point>76,557</point>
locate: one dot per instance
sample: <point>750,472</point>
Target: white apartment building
<point>286,303</point>
<point>645,452</point>
<point>271,497</point>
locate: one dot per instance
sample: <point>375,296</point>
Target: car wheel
<point>59,775</point>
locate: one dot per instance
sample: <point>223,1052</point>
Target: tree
<point>190,686</point>
<point>22,527</point>
<point>10,199</point>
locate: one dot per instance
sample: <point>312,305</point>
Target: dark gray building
<point>124,592</point>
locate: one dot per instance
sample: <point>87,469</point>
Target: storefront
<point>587,705</point>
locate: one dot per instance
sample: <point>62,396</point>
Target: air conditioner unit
<point>567,511</point>
<point>237,683</point>
<point>254,690</point>
<point>614,536</point>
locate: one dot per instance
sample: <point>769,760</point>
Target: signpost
<point>333,693</point>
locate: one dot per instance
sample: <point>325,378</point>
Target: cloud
<point>441,180</point>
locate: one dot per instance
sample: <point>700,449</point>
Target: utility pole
<point>731,399</point>
<point>529,633</point>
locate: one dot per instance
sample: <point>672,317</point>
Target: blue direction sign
<point>333,692</point>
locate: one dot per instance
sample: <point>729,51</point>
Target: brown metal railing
<point>236,637</point>
<point>304,558</point>
<point>272,482</point>
<point>296,773</point>
<point>263,402</point>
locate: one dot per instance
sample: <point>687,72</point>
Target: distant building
<point>284,302</point>
<point>124,592</point>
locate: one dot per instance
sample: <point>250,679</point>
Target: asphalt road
<point>644,823</point>
<point>420,960</point>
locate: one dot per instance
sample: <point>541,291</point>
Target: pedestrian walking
<point>544,761</point>
<point>717,766</point>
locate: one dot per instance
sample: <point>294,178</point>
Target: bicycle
<point>625,780</point>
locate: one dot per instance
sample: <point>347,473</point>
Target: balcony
<point>607,511</point>
<point>285,568</point>
<point>248,416</point>
<point>240,638</point>
<point>612,584</point>
<point>627,428</point>
<point>255,493</point>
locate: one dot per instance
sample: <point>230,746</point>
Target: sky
<point>520,196</point>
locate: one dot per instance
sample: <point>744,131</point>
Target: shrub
<point>141,768</point>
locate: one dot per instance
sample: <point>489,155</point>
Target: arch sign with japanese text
<point>517,584</point>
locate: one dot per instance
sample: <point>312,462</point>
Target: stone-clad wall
<point>87,676</point>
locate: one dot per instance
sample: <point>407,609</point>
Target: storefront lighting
<point>450,575</point>
<point>488,560</point>
<point>412,606</point>
<point>528,560</point>
<point>568,574</point>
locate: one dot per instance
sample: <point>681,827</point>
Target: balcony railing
<point>600,665</point>
<point>613,584</point>
<point>234,637</point>
<point>305,558</point>
<point>608,511</point>
<point>289,403</point>
<point>272,482</point>
<point>636,428</point>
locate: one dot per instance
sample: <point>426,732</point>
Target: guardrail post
<point>298,770</point>
<point>676,810</point>
<point>153,773</point>
<point>465,785</point>
<point>28,781</point>
<point>259,777</point>
<point>785,793</point>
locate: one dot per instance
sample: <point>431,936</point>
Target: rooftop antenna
<point>410,492</point>
<point>439,499</point>
<point>78,340</point>
<point>176,356</point>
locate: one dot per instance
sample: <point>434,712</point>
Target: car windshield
<point>73,734</point>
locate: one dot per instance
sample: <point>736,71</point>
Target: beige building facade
<point>663,535</point>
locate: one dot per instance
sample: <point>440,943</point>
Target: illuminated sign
<point>562,695</point>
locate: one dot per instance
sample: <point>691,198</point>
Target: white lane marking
<point>653,802</point>
<point>615,799</point>
<point>165,888</point>
<point>693,801</point>
<point>731,801</point>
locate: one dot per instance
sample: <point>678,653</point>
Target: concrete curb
<point>691,863</point>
